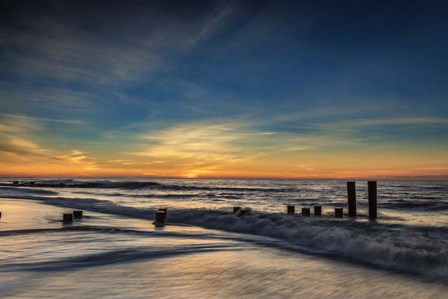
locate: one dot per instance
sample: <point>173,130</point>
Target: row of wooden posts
<point>77,215</point>
<point>351,199</point>
<point>69,217</point>
<point>290,209</point>
<point>372,199</point>
<point>338,212</point>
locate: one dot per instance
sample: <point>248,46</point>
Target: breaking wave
<point>414,249</point>
<point>105,184</point>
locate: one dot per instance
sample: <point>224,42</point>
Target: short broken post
<point>338,212</point>
<point>67,218</point>
<point>317,210</point>
<point>244,211</point>
<point>351,196</point>
<point>160,218</point>
<point>372,190</point>
<point>291,209</point>
<point>77,214</point>
<point>165,210</point>
<point>236,209</point>
<point>306,212</point>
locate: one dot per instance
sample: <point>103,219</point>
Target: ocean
<point>206,251</point>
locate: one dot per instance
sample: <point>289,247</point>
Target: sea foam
<point>415,249</point>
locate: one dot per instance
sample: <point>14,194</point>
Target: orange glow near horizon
<point>316,167</point>
<point>217,150</point>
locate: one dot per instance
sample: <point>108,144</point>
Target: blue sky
<point>83,83</point>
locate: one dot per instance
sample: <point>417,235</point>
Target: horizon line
<point>383,178</point>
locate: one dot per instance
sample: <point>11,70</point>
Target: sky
<point>254,89</point>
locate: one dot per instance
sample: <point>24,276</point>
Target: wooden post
<point>236,209</point>
<point>372,189</point>
<point>317,210</point>
<point>77,214</point>
<point>338,212</point>
<point>160,218</point>
<point>351,195</point>
<point>306,212</point>
<point>67,217</point>
<point>165,210</point>
<point>291,209</point>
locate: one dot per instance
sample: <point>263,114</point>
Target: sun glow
<point>220,148</point>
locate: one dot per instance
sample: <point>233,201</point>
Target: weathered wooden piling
<point>372,190</point>
<point>351,196</point>
<point>317,210</point>
<point>338,212</point>
<point>67,218</point>
<point>160,218</point>
<point>291,209</point>
<point>236,209</point>
<point>165,210</point>
<point>306,212</point>
<point>77,214</point>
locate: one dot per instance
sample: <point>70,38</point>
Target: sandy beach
<point>109,256</point>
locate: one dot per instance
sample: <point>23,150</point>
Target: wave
<point>421,206</point>
<point>105,184</point>
<point>87,184</point>
<point>175,195</point>
<point>406,248</point>
<point>114,257</point>
<point>12,191</point>
<point>397,201</point>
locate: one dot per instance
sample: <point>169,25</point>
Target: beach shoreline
<point>119,257</point>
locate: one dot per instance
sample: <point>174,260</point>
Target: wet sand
<point>107,256</point>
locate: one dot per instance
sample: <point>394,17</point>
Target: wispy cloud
<point>199,148</point>
<point>398,121</point>
<point>68,53</point>
<point>59,48</point>
<point>215,20</point>
<point>19,122</point>
<point>10,123</point>
<point>12,143</point>
<point>214,141</point>
<point>18,148</point>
